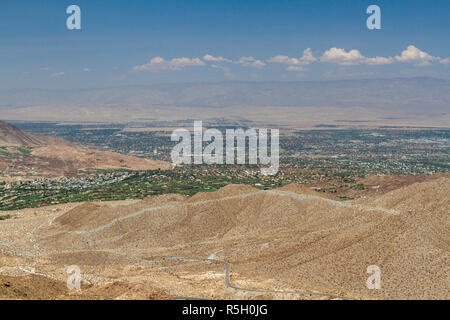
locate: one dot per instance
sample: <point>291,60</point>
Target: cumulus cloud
<point>86,69</point>
<point>341,57</point>
<point>294,64</point>
<point>445,61</point>
<point>308,56</point>
<point>333,55</point>
<point>416,56</point>
<point>351,58</point>
<point>158,63</point>
<point>295,68</point>
<point>379,61</point>
<point>210,58</point>
<point>284,60</point>
<point>244,61</point>
<point>252,62</point>
<point>354,57</point>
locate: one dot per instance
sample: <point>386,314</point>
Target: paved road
<point>231,285</point>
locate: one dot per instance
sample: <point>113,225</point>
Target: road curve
<point>231,285</point>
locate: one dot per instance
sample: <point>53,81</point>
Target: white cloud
<point>295,68</point>
<point>57,74</point>
<point>379,61</point>
<point>294,64</point>
<point>208,57</point>
<point>244,61</point>
<point>341,57</point>
<point>351,58</point>
<point>284,60</point>
<point>308,56</point>
<point>258,64</point>
<point>333,55</point>
<point>445,61</point>
<point>251,61</point>
<point>416,56</point>
<point>158,63</point>
<point>86,70</point>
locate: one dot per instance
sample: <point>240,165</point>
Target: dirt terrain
<point>25,155</point>
<point>12,136</point>
<point>237,242</point>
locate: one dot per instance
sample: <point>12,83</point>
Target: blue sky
<point>218,40</point>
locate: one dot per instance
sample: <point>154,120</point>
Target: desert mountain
<point>415,101</point>
<point>410,93</point>
<point>23,152</point>
<point>12,136</point>
<point>283,240</point>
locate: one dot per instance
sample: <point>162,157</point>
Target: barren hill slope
<point>12,136</point>
<point>282,239</point>
<point>23,152</point>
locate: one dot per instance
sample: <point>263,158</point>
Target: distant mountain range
<point>400,93</point>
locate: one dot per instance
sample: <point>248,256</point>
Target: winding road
<point>232,286</point>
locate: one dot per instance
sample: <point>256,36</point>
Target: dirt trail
<point>170,206</point>
<point>333,202</point>
<point>239,197</point>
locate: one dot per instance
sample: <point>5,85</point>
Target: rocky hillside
<point>12,136</point>
<point>24,153</point>
<point>285,238</point>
